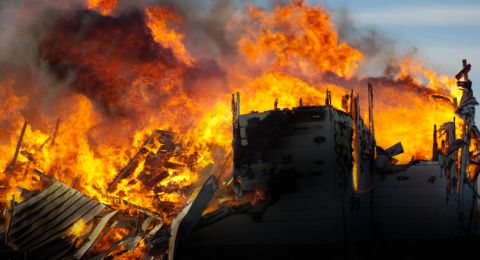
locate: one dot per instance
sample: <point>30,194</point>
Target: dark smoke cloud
<point>53,49</point>
<point>103,53</point>
<point>45,50</point>
<point>22,24</point>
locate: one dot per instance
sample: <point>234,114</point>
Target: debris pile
<point>57,221</point>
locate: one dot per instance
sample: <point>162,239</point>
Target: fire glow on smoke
<point>113,74</point>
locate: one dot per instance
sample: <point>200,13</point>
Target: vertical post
<point>370,119</point>
<point>356,143</point>
<point>468,121</point>
<point>351,103</point>
<point>464,157</point>
<point>236,140</point>
<point>450,140</point>
<point>55,132</point>
<point>238,107</point>
<point>17,149</point>
<point>435,144</point>
<point>234,113</point>
<point>300,103</point>
<point>328,98</point>
<point>235,123</point>
<point>466,139</point>
<point>454,129</point>
<point>359,150</point>
<point>465,75</point>
<point>275,104</point>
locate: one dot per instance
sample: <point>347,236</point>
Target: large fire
<point>121,75</point>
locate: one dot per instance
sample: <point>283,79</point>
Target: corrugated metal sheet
<point>40,225</point>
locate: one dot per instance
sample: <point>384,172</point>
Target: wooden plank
<point>155,229</point>
<point>140,155</point>
<point>93,237</point>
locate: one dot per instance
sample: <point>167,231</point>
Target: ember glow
<point>79,228</point>
<point>115,78</point>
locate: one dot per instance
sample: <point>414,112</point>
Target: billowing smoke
<point>172,64</point>
<point>52,49</point>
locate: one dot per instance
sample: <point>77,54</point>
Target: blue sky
<point>444,32</point>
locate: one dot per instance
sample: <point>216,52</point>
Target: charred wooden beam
<point>43,176</point>
<point>17,149</point>
<point>158,135</point>
<point>160,239</point>
<point>357,155</point>
<point>371,120</point>
<point>222,213</point>
<point>328,98</point>
<point>351,103</point>
<point>464,72</point>
<point>466,83</point>
<point>55,132</point>
<point>139,208</point>
<point>44,143</point>
<point>454,146</point>
<point>27,194</point>
<point>435,144</point>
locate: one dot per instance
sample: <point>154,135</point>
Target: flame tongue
<point>105,7</point>
<point>132,74</point>
<point>298,37</point>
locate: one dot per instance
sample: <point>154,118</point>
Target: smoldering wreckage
<point>302,182</point>
<point>311,176</point>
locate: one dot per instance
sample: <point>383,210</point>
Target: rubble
<point>268,168</point>
<point>156,151</point>
<point>41,226</point>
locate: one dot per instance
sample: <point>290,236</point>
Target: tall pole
<point>17,149</point>
<point>370,119</point>
<point>357,157</point>
<point>435,144</point>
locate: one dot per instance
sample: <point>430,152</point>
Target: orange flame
<point>78,228</point>
<point>299,37</point>
<point>289,53</point>
<point>105,7</point>
<point>165,36</point>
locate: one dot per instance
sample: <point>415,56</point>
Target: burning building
<point>316,180</point>
<point>116,135</point>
